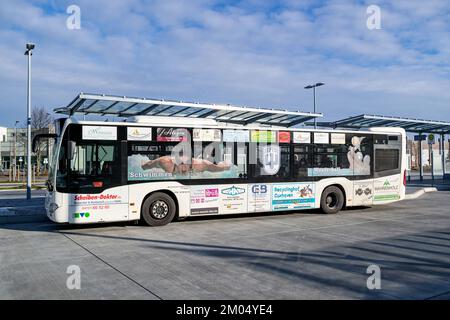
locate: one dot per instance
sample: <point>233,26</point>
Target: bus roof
<point>126,107</point>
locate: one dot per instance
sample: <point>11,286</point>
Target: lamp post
<point>313,86</point>
<point>29,53</point>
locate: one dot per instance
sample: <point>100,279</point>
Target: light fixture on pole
<point>29,53</point>
<point>313,86</point>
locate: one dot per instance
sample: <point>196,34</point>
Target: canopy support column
<point>420,157</point>
<point>430,147</point>
<point>443,155</point>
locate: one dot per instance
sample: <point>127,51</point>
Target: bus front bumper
<point>51,208</point>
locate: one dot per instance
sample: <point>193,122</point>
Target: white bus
<point>158,169</point>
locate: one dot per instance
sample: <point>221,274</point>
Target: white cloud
<point>245,53</point>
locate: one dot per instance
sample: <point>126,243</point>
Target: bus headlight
<point>52,207</point>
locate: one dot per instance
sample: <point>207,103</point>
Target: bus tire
<point>332,200</point>
<point>158,209</point>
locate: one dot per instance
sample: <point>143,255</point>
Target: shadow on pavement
<point>411,267</point>
<point>22,202</point>
<point>40,202</point>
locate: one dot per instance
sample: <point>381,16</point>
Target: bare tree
<point>40,123</point>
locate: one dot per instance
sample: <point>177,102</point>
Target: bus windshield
<point>89,166</point>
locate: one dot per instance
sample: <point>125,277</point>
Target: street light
<point>29,53</point>
<point>313,86</point>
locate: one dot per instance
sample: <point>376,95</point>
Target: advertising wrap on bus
<point>302,137</point>
<point>236,136</point>
<point>107,206</point>
<point>363,193</point>
<point>207,135</point>
<point>172,135</point>
<point>204,200</point>
<point>387,189</point>
<point>240,198</point>
<point>142,168</point>
<point>218,199</point>
<point>263,136</point>
<point>260,196</point>
<point>292,196</point>
<point>139,134</point>
<point>99,133</point>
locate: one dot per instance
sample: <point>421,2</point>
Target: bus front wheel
<point>158,209</point>
<point>332,200</point>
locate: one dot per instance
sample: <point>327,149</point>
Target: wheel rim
<point>331,200</point>
<point>159,209</point>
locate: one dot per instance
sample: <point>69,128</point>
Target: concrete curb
<point>15,189</point>
<point>420,193</point>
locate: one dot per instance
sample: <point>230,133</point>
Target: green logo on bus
<point>81,215</point>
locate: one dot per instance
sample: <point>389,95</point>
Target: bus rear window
<point>386,159</point>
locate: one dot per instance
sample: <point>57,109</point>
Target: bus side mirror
<point>42,136</point>
<point>71,146</point>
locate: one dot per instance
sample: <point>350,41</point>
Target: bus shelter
<point>420,128</point>
<point>120,106</point>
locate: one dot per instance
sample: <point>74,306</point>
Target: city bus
<point>104,172</point>
<point>158,169</point>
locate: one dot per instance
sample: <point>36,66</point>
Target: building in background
<point>3,140</point>
<point>13,142</point>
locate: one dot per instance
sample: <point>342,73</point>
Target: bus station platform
<point>439,184</point>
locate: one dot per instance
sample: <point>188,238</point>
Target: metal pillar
<point>29,53</point>
<point>314,93</point>
<point>420,157</point>
<point>15,153</point>
<point>443,154</point>
<point>430,146</point>
<point>409,158</point>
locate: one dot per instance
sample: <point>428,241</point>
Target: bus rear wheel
<point>332,200</point>
<point>158,209</point>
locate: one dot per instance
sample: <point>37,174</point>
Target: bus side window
<point>387,160</point>
<point>285,162</point>
<point>242,161</point>
<point>330,156</point>
<point>387,155</point>
<point>302,160</point>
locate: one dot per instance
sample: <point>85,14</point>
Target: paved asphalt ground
<point>304,255</point>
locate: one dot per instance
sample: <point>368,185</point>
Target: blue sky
<point>250,53</point>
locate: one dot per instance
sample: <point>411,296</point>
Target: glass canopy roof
<point>128,107</point>
<point>410,125</point>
